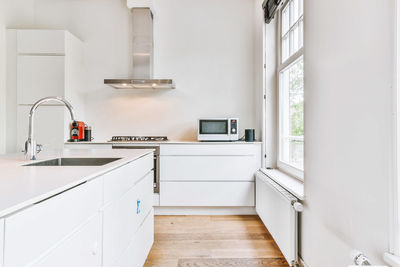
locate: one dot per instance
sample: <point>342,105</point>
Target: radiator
<point>278,209</point>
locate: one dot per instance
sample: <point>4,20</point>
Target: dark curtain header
<point>270,7</point>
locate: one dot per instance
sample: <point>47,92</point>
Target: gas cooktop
<point>138,138</point>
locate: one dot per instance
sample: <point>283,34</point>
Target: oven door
<point>214,130</point>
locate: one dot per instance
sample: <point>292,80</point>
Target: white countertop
<point>21,186</point>
<point>101,142</point>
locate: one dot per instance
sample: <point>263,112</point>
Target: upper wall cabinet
<point>41,41</point>
<point>49,63</point>
<point>40,76</point>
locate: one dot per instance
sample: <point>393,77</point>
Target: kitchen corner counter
<point>22,186</point>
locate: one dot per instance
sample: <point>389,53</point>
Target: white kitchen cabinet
<point>139,248</point>
<point>81,249</point>
<point>207,194</point>
<point>1,242</point>
<point>41,41</point>
<point>77,227</point>
<point>206,168</point>
<point>32,232</point>
<point>207,149</point>
<point>38,77</point>
<point>208,175</point>
<point>122,219</point>
<point>121,180</point>
<point>44,63</point>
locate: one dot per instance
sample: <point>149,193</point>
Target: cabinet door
<point>1,242</point>
<point>81,249</point>
<point>34,231</point>
<point>208,168</point>
<point>38,77</point>
<point>41,41</point>
<point>207,194</point>
<point>123,217</point>
<point>138,250</point>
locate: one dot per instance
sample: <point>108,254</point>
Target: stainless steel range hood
<point>142,56</point>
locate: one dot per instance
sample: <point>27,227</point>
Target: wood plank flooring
<point>188,241</point>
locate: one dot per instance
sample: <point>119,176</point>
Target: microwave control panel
<point>233,126</point>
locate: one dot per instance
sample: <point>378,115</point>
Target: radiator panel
<point>274,206</point>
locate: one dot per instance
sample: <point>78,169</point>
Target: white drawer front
<point>38,77</point>
<point>138,250</point>
<point>123,217</point>
<point>208,168</point>
<point>1,242</point>
<point>214,149</point>
<point>41,41</point>
<point>31,232</point>
<point>81,249</point>
<point>122,179</point>
<point>207,194</point>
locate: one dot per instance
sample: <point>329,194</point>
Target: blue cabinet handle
<point>138,206</point>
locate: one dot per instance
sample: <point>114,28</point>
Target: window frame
<point>282,66</point>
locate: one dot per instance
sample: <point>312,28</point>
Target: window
<point>291,89</point>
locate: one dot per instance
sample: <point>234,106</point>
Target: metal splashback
<point>142,55</point>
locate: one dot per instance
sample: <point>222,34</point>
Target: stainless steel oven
<point>156,161</point>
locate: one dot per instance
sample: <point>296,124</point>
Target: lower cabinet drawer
<point>119,181</point>
<point>123,217</point>
<point>211,194</point>
<point>32,232</point>
<point>138,250</point>
<point>208,168</point>
<point>81,249</point>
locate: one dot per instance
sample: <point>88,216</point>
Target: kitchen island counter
<point>22,186</point>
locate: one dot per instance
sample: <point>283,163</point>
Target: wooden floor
<point>213,241</point>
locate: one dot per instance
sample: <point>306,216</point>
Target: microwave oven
<point>218,129</point>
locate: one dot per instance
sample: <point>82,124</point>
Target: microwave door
<point>214,130</point>
<point>214,127</point>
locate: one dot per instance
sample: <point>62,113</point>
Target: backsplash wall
<point>211,61</point>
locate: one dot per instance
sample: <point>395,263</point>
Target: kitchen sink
<point>74,162</point>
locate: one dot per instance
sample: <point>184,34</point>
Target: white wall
<point>2,81</point>
<point>205,46</point>
<point>349,63</point>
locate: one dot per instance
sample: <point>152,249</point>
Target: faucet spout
<point>31,148</point>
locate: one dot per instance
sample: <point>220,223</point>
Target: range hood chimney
<point>142,13</point>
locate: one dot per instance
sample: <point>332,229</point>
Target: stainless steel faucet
<point>31,148</point>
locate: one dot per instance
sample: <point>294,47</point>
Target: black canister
<point>88,133</point>
<point>249,135</point>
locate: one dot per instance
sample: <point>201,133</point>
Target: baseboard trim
<point>204,211</point>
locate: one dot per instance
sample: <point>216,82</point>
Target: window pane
<point>295,12</point>
<point>296,45</point>
<point>285,21</point>
<point>292,115</point>
<point>291,8</point>
<point>291,39</point>
<point>301,34</point>
<point>300,8</point>
<point>285,48</point>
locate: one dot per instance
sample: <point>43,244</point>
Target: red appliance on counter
<point>77,131</point>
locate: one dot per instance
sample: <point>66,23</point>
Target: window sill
<point>291,184</point>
